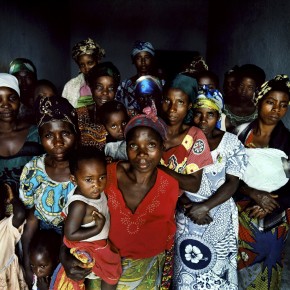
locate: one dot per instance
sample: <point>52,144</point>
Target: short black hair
<point>111,107</point>
<point>85,153</point>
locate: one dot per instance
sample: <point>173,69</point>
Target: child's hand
<point>99,219</point>
<point>8,192</point>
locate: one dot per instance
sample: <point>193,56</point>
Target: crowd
<point>143,183</point>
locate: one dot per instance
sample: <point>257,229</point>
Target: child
<point>12,217</point>
<point>43,257</point>
<point>88,221</point>
<point>114,117</point>
<point>45,180</point>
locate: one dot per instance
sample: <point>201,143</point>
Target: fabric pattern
<point>38,190</point>
<point>205,255</point>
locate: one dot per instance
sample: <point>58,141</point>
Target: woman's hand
<point>256,212</point>
<point>198,213</point>
<point>265,201</point>
<point>73,267</point>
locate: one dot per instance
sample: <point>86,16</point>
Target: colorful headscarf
<point>211,99</point>
<point>87,46</point>
<point>279,82</point>
<point>140,46</point>
<point>9,81</point>
<point>21,64</point>
<point>148,119</point>
<point>55,108</point>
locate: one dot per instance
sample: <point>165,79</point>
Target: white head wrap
<point>9,81</point>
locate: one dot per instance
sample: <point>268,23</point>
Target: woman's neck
<point>8,127</point>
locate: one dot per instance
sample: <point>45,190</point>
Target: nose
<point>4,103</point>
<point>58,140</point>
<point>276,107</point>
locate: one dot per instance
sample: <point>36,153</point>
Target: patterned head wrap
<point>148,119</point>
<point>21,64</point>
<point>140,46</point>
<point>278,83</point>
<point>198,64</point>
<point>9,81</point>
<point>211,99</point>
<point>87,46</point>
<point>55,108</point>
<point>104,69</point>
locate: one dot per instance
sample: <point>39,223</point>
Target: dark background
<point>225,32</point>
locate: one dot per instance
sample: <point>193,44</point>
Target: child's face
<point>43,91</point>
<point>103,90</point>
<point>207,81</point>
<point>144,148</point>
<point>90,177</point>
<point>41,264</point>
<point>58,139</point>
<point>116,124</point>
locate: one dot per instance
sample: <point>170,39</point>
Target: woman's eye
<point>133,146</point>
<point>88,180</point>
<point>113,126</point>
<point>124,123</point>
<point>111,89</point>
<point>152,145</point>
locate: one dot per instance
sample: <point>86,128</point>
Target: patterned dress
<point>11,166</point>
<point>38,190</point>
<point>206,255</point>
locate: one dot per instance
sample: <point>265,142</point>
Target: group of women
<point>181,216</point>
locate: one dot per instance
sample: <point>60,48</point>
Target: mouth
<point>6,114</point>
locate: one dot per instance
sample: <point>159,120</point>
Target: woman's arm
<point>73,229</point>
<point>188,182</point>
<point>199,212</point>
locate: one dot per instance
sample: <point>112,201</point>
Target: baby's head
<point>44,252</point>
<point>114,117</point>
<point>88,171</point>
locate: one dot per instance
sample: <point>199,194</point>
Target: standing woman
<point>86,53</point>
<point>261,252</point>
<point>206,243</point>
<point>19,140</point>
<point>103,80</point>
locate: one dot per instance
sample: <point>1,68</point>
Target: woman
<point>19,140</point>
<point>103,80</point>
<point>143,58</point>
<point>86,53</point>
<point>142,201</point>
<point>261,252</point>
<point>207,221</point>
<point>25,71</point>
<point>186,148</point>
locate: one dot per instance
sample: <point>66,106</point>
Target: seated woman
<point>207,221</point>
<point>141,201</point>
<point>86,53</point>
<point>103,80</point>
<point>20,141</point>
<point>261,252</point>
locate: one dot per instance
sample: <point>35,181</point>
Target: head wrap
<point>140,46</point>
<point>148,119</point>
<point>55,108</point>
<point>9,81</point>
<point>278,83</point>
<point>104,69</point>
<point>87,46</point>
<point>21,64</point>
<point>211,99</point>
<point>185,83</point>
<point>198,64</point>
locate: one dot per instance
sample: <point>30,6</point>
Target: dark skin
<point>174,109</point>
<point>272,107</point>
<point>12,132</point>
<point>206,119</point>
<point>58,139</point>
<point>135,179</point>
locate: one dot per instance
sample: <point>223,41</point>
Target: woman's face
<point>273,107</point>
<point>205,119</point>
<point>246,89</point>
<point>86,62</point>
<point>103,90</point>
<point>9,104</point>
<point>144,148</point>
<point>175,106</point>
<point>143,62</point>
<point>58,139</point>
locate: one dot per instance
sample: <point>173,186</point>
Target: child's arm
<point>73,229</point>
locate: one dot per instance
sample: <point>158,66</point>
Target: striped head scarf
<point>140,46</point>
<point>21,64</point>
